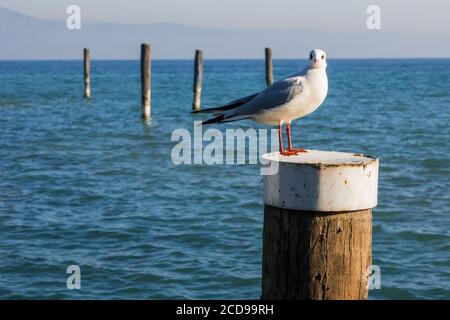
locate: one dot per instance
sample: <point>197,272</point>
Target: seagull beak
<point>316,61</point>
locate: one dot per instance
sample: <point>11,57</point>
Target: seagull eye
<point>323,56</point>
<point>310,56</point>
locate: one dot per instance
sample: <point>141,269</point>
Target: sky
<point>412,17</point>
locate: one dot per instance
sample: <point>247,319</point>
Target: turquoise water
<point>86,182</point>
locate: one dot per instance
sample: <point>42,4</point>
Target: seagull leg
<point>280,141</point>
<point>290,148</point>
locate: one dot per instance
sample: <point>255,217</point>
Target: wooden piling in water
<point>145,80</point>
<point>198,79</point>
<point>269,71</point>
<point>318,226</point>
<point>87,73</point>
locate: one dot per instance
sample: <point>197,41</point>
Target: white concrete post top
<point>322,181</point>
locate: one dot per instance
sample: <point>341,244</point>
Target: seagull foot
<point>288,153</point>
<point>297,151</point>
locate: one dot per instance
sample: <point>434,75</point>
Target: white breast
<point>315,89</point>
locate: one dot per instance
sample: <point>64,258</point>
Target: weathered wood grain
<point>198,79</point>
<point>316,255</point>
<point>145,80</point>
<point>269,71</point>
<point>87,73</point>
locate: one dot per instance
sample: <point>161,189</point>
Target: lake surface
<point>87,183</point>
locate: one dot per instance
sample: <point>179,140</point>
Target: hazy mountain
<point>25,37</point>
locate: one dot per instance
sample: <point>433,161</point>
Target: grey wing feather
<point>230,105</point>
<point>277,94</point>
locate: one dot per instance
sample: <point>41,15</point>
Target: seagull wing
<point>230,105</point>
<point>274,96</point>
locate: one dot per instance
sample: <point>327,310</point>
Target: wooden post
<point>145,80</point>
<point>198,79</point>
<point>87,73</point>
<point>269,72</point>
<point>318,226</point>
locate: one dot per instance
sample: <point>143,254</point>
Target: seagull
<point>283,101</point>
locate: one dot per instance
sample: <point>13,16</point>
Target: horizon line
<point>224,59</point>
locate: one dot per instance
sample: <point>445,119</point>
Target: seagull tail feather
<point>222,118</point>
<point>215,110</point>
<point>214,120</point>
<point>231,105</point>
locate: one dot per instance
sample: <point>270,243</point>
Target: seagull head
<point>317,59</point>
